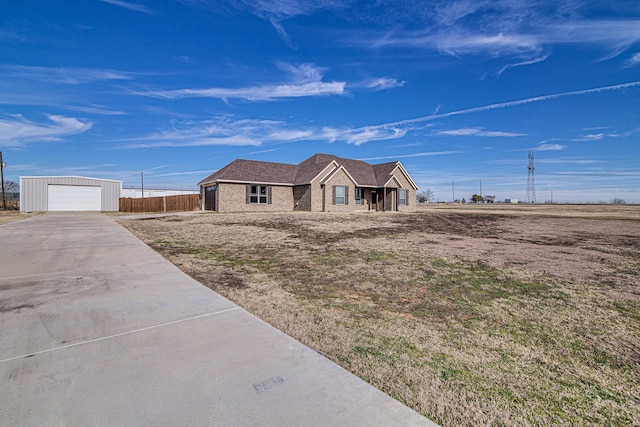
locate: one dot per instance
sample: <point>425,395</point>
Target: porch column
<point>384,199</point>
<point>394,200</point>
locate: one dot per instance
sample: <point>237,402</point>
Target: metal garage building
<point>68,193</point>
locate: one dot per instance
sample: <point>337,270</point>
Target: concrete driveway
<point>98,329</point>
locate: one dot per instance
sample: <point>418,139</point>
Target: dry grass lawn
<point>9,216</point>
<point>504,315</point>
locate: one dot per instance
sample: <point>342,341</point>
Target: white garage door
<point>74,198</point>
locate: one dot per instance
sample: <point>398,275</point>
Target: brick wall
<point>233,198</point>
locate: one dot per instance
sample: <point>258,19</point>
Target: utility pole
<point>453,193</point>
<point>2,165</point>
<point>481,190</point>
<point>142,186</point>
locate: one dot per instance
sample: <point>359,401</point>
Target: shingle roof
<point>254,171</point>
<point>363,173</point>
<point>383,172</point>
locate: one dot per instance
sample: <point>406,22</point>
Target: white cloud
<point>495,44</point>
<point>615,35</point>
<point>362,135</point>
<point>274,11</point>
<point>550,147</point>
<point>601,173</point>
<point>571,161</point>
<point>290,135</point>
<point>303,73</point>
<point>129,5</point>
<point>94,109</point>
<point>453,11</point>
<point>380,83</point>
<point>515,28</point>
<point>283,33</point>
<point>404,156</point>
<point>634,60</point>
<point>184,140</point>
<point>590,137</point>
<point>520,64</point>
<point>218,131</point>
<point>17,131</point>
<point>250,132</point>
<point>305,81</point>
<point>10,35</point>
<point>519,28</point>
<point>182,173</point>
<point>529,43</point>
<point>64,75</point>
<point>478,132</point>
<point>255,93</point>
<point>226,131</point>
<point>221,131</point>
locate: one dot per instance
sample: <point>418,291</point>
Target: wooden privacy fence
<point>185,202</point>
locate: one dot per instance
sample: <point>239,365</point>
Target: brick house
<point>322,183</point>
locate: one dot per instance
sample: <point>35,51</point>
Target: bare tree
<point>10,197</point>
<point>618,201</point>
<point>425,196</point>
<point>11,187</point>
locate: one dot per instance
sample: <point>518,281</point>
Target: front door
<point>210,198</point>
<point>374,201</point>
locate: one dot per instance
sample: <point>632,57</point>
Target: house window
<point>340,195</point>
<point>258,194</point>
<point>359,195</point>
<point>403,197</point>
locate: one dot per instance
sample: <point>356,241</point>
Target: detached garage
<point>68,193</point>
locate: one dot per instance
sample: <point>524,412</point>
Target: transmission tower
<point>531,181</point>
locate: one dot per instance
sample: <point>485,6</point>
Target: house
<point>322,183</point>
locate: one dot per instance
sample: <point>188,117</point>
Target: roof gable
<point>385,172</point>
<point>335,171</point>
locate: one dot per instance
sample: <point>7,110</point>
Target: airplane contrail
<point>500,105</point>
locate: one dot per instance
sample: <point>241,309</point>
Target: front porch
<point>381,199</point>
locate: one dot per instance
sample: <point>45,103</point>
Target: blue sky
<point>458,91</point>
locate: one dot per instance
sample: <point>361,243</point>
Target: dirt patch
<point>468,315</point>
